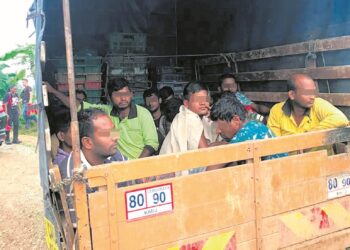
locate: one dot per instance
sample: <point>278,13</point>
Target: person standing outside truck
<point>11,102</point>
<point>27,99</point>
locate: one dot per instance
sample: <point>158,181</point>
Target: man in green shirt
<point>137,132</point>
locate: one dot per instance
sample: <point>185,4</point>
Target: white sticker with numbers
<point>149,201</point>
<point>338,185</point>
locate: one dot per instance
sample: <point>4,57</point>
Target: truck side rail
<point>289,202</point>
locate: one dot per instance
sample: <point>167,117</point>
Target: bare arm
<point>59,95</point>
<point>202,142</point>
<point>145,153</point>
<point>262,109</point>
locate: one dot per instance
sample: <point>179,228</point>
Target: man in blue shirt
<point>233,125</point>
<point>227,82</point>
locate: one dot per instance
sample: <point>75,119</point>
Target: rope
<point>77,177</point>
<point>311,54</point>
<point>324,65</point>
<point>232,56</point>
<point>226,59</point>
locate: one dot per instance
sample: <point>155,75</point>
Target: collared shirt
<point>322,115</point>
<point>254,130</point>
<point>136,132</point>
<point>66,170</point>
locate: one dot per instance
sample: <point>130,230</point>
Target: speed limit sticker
<point>149,201</point>
<point>338,186</point>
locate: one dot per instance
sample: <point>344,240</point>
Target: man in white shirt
<point>97,146</point>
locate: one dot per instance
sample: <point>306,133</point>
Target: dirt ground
<point>21,206</point>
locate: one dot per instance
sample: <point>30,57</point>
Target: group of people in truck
<point>167,124</point>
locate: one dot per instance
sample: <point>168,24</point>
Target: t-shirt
<point>12,101</point>
<point>25,94</point>
<point>254,130</point>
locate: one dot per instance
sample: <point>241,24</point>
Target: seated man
<point>171,109</point>
<point>227,82</point>
<point>233,126</point>
<point>98,146</point>
<point>303,111</point>
<point>138,134</point>
<point>187,129</point>
<point>165,94</point>
<point>152,103</point>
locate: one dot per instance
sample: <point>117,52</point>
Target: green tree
<point>23,58</point>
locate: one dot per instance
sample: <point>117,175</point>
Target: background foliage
<point>14,66</point>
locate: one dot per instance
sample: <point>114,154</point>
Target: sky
<point>13,24</point>
<point>14,31</point>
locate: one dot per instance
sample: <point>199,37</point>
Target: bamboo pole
<point>80,198</point>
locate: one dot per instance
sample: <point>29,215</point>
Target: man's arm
<point>202,141</point>
<point>63,98</point>
<point>262,109</point>
<point>149,134</point>
<point>274,121</point>
<point>329,116</point>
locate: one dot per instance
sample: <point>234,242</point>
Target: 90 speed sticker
<point>149,201</point>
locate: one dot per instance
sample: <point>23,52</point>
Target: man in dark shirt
<point>27,97</point>
<point>11,101</point>
<point>152,103</point>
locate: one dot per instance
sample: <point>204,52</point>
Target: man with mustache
<point>303,111</point>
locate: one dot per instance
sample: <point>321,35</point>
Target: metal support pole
<point>80,198</point>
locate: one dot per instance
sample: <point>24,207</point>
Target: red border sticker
<point>149,201</point>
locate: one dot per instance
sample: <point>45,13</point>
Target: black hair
<point>116,84</point>
<point>149,92</point>
<point>85,119</point>
<point>62,121</point>
<point>165,92</point>
<point>171,108</point>
<point>193,87</point>
<point>80,91</point>
<point>225,76</point>
<point>227,107</point>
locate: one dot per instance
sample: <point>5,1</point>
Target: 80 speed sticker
<point>149,201</point>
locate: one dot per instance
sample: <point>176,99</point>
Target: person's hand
<point>218,143</point>
<point>50,89</point>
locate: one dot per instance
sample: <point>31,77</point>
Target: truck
<point>297,202</point>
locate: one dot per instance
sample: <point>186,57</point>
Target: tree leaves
<point>24,56</point>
